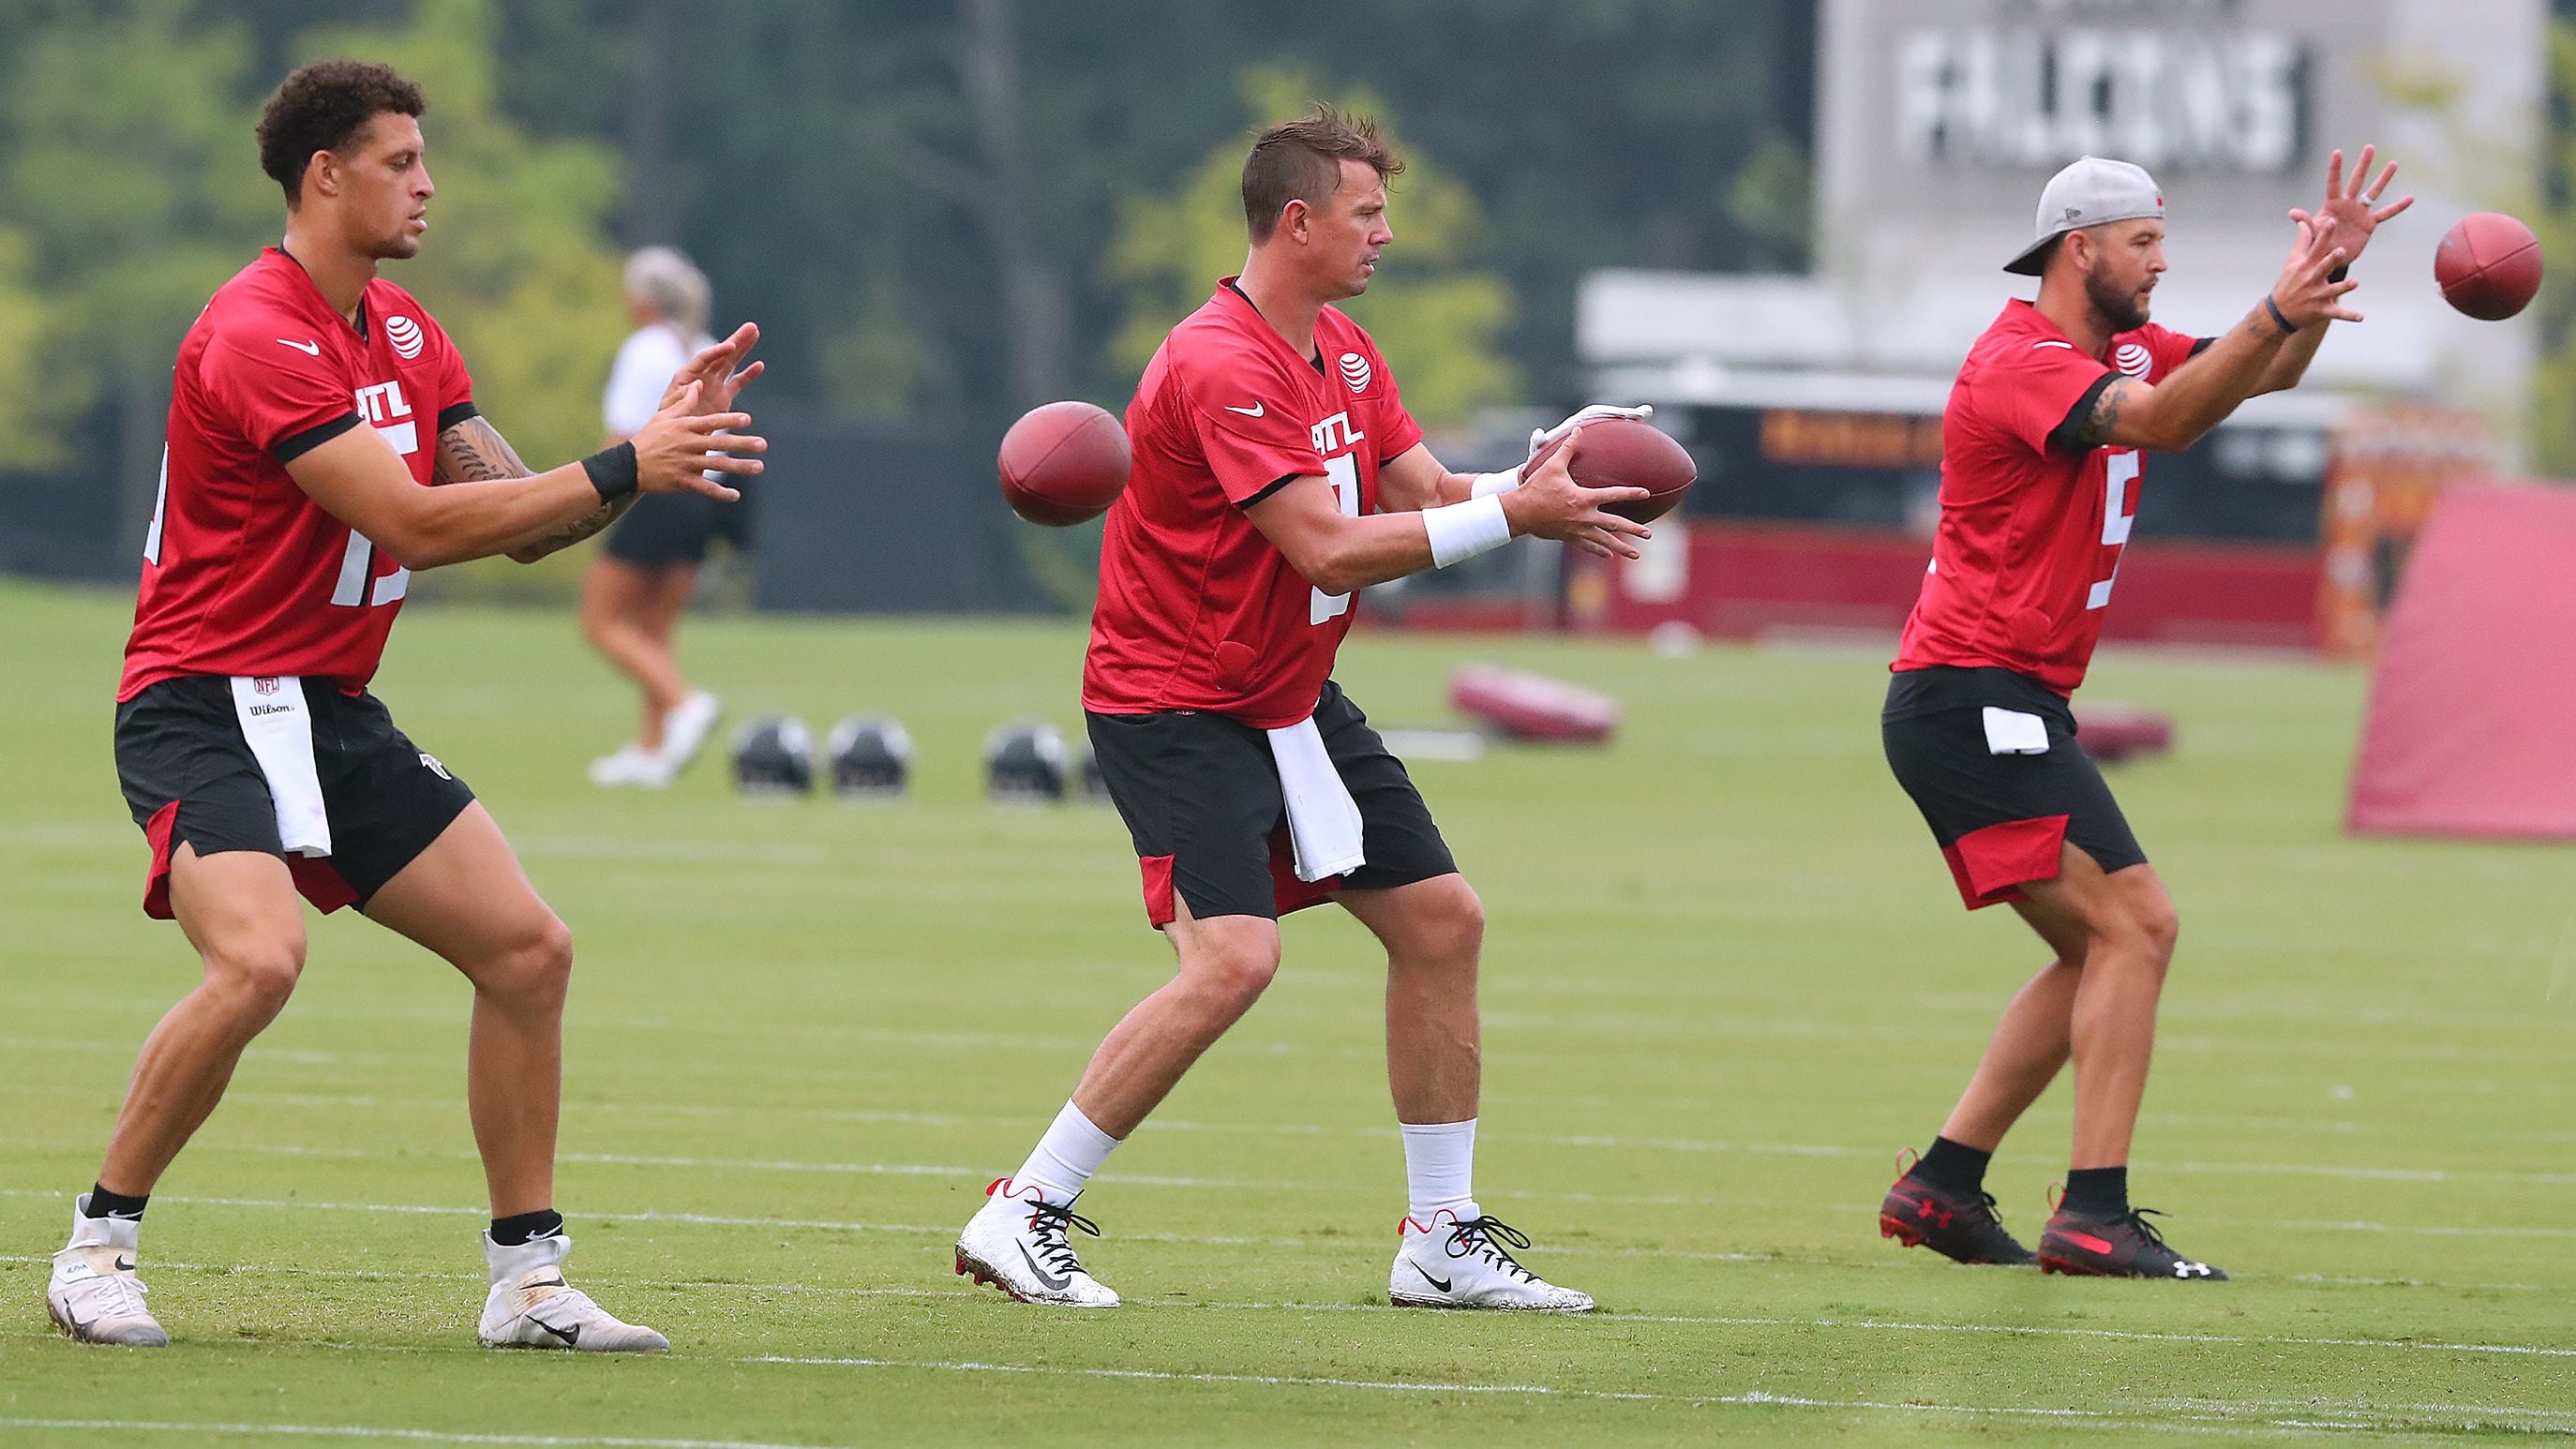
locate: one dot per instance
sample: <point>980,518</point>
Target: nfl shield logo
<point>264,686</point>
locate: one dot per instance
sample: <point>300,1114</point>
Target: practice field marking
<point>2332,1171</point>
<point>378,1431</point>
<point>2190,1421</point>
<point>1707,1320</point>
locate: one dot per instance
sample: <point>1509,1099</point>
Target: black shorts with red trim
<point>2002,820</point>
<point>1200,795</point>
<point>189,775</point>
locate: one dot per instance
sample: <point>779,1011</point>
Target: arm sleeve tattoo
<point>473,451</point>
<point>2090,424</point>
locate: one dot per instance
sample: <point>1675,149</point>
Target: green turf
<point>1727,981</point>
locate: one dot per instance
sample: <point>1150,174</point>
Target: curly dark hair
<point>323,107</point>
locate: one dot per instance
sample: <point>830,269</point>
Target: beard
<point>2122,307</point>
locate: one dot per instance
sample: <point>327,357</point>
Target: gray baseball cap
<point>2089,192</point>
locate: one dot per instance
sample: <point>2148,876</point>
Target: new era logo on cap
<point>2093,191</point>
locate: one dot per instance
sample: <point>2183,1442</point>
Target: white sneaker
<point>685,727</point>
<point>1450,1263</point>
<point>94,1296</point>
<point>631,765</point>
<point>1016,1242</point>
<point>530,1305</point>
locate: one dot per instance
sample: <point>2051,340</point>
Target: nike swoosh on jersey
<point>309,349</point>
<point>1253,411</point>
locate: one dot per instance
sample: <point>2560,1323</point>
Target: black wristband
<point>2339,273</point>
<point>612,471</point>
<point>2278,315</point>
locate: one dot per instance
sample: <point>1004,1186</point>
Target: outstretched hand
<point>719,371</point>
<point>678,450</point>
<point>2307,292</point>
<point>2354,209</point>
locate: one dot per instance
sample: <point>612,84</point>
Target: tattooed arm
<point>473,451</point>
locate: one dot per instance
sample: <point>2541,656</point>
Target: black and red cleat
<point>1961,1227</point>
<point>2124,1246</point>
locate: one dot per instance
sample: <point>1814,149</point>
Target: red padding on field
<point>1533,707</point>
<point>1992,865</point>
<point>2474,702</point>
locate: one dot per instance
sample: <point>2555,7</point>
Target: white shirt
<point>642,372</point>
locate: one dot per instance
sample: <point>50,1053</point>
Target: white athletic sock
<point>1066,1157</point>
<point>1440,1168</point>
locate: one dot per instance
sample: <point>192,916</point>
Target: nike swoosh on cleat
<point>2086,1241</point>
<point>125,1265</point>
<point>571,1336</point>
<point>1053,1283</point>
<point>1440,1284</point>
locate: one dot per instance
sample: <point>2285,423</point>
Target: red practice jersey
<point>243,573</point>
<point>2032,523</point>
<point>1197,609</point>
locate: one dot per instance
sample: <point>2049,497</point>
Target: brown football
<point>1626,453</point>
<point>2488,266</point>
<point>1063,463</point>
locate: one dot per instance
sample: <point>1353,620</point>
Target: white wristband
<point>1486,485</point>
<point>1463,530</point>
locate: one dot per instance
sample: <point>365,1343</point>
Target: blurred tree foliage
<point>1439,324</point>
<point>2553,386</point>
<point>920,200</point>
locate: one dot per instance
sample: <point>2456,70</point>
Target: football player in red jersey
<point>2040,470</point>
<point>1276,473</point>
<point>323,441</point>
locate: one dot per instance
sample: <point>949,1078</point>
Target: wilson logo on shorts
<point>404,334</point>
<point>1355,371</point>
<point>264,686</point>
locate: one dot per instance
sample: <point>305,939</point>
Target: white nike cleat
<point>531,1306</point>
<point>94,1296</point>
<point>631,765</point>
<point>1450,1263</point>
<point>1016,1242</point>
<point>685,727</point>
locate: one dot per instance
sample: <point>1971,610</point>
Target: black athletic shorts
<point>1200,795</point>
<point>664,529</point>
<point>189,775</point>
<point>2002,820</point>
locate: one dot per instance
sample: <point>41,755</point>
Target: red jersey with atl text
<point>1197,610</point>
<point>243,573</point>
<point>2033,521</point>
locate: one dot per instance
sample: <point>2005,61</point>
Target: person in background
<point>640,581</point>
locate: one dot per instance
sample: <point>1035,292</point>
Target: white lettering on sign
<point>2233,101</point>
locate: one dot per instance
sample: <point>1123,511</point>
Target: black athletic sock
<point>105,1204</point>
<point>1953,1167</point>
<point>510,1232</point>
<point>2097,1192</point>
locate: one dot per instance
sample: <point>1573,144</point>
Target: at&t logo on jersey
<point>2133,359</point>
<point>1355,371</point>
<point>404,334</point>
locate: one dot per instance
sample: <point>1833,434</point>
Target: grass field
<point>1727,981</point>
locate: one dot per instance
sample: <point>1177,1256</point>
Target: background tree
<point>1439,321</point>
